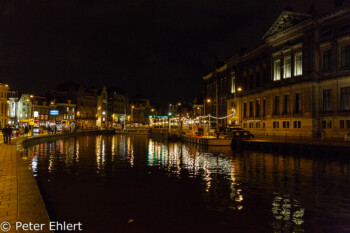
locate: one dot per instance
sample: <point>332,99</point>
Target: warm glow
<point>152,110</point>
<point>31,96</point>
<point>208,100</point>
<point>132,106</point>
<point>179,104</point>
<point>239,89</point>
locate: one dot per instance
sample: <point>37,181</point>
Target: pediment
<point>286,20</point>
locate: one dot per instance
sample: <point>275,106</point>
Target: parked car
<point>240,134</point>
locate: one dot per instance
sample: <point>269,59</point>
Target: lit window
<point>287,68</point>
<point>298,66</point>
<point>233,85</point>
<point>277,70</point>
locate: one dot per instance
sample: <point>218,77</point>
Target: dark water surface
<point>135,184</point>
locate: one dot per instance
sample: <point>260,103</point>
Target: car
<point>240,134</point>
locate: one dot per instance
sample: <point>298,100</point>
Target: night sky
<point>158,49</point>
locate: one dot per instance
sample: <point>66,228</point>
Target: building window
<point>257,108</point>
<point>264,107</point>
<point>287,67</point>
<point>348,124</point>
<point>345,98</point>
<point>264,125</point>
<point>341,124</point>
<point>251,125</point>
<point>245,110</point>
<point>257,125</point>
<point>285,124</point>
<point>244,125</point>
<point>324,124</point>
<point>276,106</point>
<point>286,104</point>
<point>277,70</point>
<point>250,108</point>
<point>276,124</point>
<point>297,124</point>
<point>298,64</point>
<point>327,100</point>
<point>326,60</point>
<point>345,56</point>
<point>233,85</point>
<point>297,103</point>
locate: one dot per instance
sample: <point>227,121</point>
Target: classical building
<point>4,117</point>
<point>297,82</point>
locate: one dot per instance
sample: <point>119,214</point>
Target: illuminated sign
<point>54,112</point>
<point>36,114</point>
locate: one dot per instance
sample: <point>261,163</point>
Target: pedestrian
<point>54,129</point>
<point>4,134</point>
<point>8,133</point>
<point>26,131</point>
<point>21,131</point>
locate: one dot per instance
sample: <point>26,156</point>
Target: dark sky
<point>158,49</point>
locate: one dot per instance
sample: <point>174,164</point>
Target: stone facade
<point>4,117</point>
<point>297,82</point>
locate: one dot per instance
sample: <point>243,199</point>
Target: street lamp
<point>132,116</point>
<point>208,101</point>
<point>239,89</point>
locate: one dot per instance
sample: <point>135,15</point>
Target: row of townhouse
<point>295,83</point>
<point>72,103</point>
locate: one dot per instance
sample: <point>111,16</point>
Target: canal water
<point>118,183</point>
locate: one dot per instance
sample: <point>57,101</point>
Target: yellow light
<point>133,106</point>
<point>152,110</point>
<point>208,100</point>
<point>6,85</point>
<point>179,104</point>
<point>239,89</point>
<point>31,96</point>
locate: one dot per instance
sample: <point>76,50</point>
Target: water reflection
<point>227,189</point>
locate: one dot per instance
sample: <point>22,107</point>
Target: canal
<point>116,183</point>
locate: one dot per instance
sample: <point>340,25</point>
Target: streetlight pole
<point>239,89</point>
<point>132,116</point>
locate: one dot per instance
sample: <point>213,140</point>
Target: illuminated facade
<point>102,107</point>
<point>118,107</point>
<point>297,82</point>
<point>4,117</point>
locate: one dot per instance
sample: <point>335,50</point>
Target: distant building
<point>13,98</point>
<point>140,110</point>
<point>102,107</point>
<point>297,82</point>
<point>118,107</point>
<point>4,117</point>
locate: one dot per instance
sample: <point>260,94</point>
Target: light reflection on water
<point>246,191</point>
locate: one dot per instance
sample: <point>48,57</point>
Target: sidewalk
<point>305,141</point>
<point>20,198</point>
<point>8,184</point>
